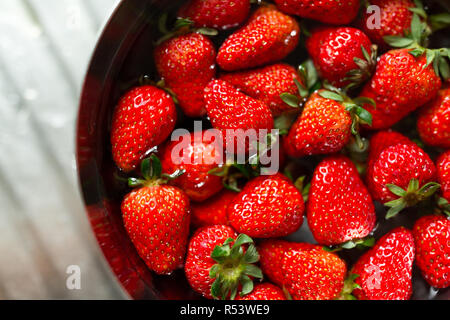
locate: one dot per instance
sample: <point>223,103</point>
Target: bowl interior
<point>125,53</point>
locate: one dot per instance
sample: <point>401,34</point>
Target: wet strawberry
<point>267,207</point>
<point>196,153</point>
<point>384,272</point>
<point>433,123</point>
<point>144,117</point>
<point>230,109</point>
<point>219,14</point>
<point>340,208</point>
<point>384,139</point>
<point>443,173</point>
<point>342,55</point>
<point>156,217</point>
<point>306,271</point>
<point>401,176</point>
<point>267,84</point>
<point>267,37</point>
<point>187,64</point>
<point>432,240</point>
<point>395,20</point>
<point>217,266</point>
<point>264,291</point>
<point>400,85</point>
<point>322,128</point>
<point>212,211</point>
<point>327,11</point>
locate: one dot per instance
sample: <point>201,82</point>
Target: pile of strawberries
<point>340,112</point>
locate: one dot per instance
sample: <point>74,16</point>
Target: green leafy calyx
<point>409,197</point>
<point>235,268</point>
<point>308,83</point>
<point>151,171</point>
<point>367,242</point>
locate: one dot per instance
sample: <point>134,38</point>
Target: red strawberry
<point>217,14</point>
<point>230,109</point>
<point>395,20</point>
<point>267,207</point>
<point>264,291</point>
<point>212,211</point>
<point>307,271</point>
<point>384,272</point>
<point>433,122</point>
<point>187,64</point>
<point>144,118</point>
<point>342,55</point>
<point>322,128</point>
<point>327,11</point>
<point>211,256</point>
<point>156,217</point>
<point>197,153</point>
<point>443,173</point>
<point>267,84</point>
<point>340,208</point>
<point>401,176</point>
<point>384,139</point>
<point>401,84</point>
<point>267,37</point>
<point>432,240</point>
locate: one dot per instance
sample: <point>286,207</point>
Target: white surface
<point>45,46</point>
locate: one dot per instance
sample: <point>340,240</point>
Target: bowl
<point>123,54</point>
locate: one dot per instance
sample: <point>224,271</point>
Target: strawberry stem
<point>182,26</point>
<point>409,197</point>
<point>234,268</point>
<point>363,243</point>
<point>444,206</point>
<point>151,171</point>
<point>366,67</point>
<point>302,187</point>
<point>349,286</point>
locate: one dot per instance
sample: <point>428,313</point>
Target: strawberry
<point>264,291</point>
<point>395,20</point>
<point>432,240</point>
<point>267,207</point>
<point>217,264</point>
<point>219,14</point>
<point>228,108</point>
<point>144,117</point>
<point>433,123</point>
<point>186,63</point>
<point>384,272</point>
<point>443,173</point>
<point>401,84</point>
<point>325,125</point>
<point>327,11</point>
<point>267,84</point>
<point>267,37</point>
<point>212,211</point>
<point>401,176</point>
<point>306,271</point>
<point>196,153</point>
<point>384,139</point>
<point>341,55</point>
<point>340,208</point>
<point>156,217</point>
